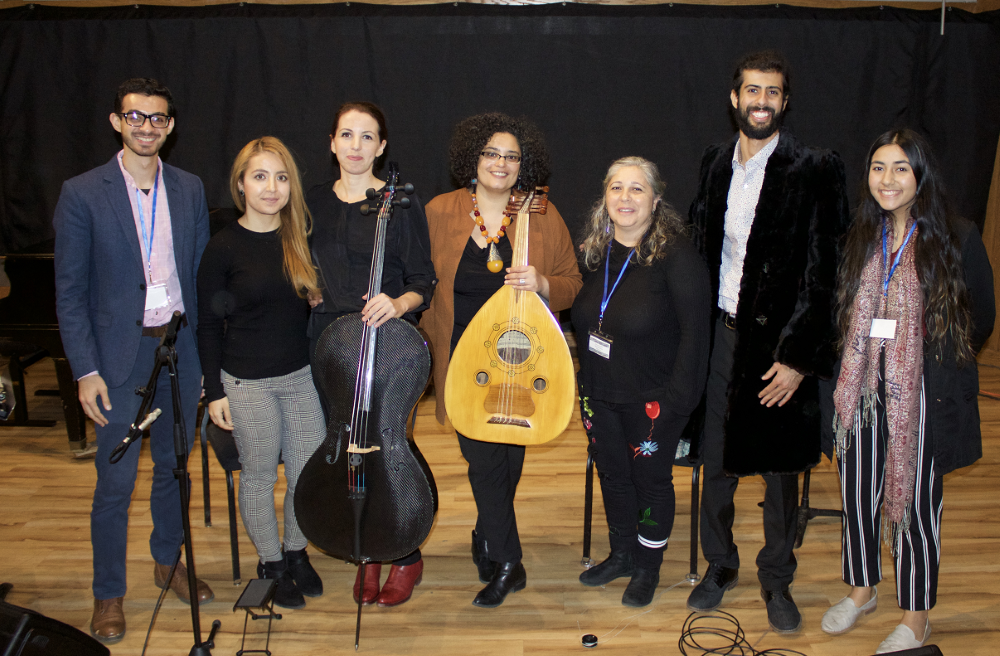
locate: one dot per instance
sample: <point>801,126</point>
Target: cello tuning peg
<point>371,194</point>
<point>408,188</point>
<point>365,209</point>
<point>403,202</point>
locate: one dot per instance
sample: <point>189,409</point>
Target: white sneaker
<point>902,638</point>
<point>843,614</point>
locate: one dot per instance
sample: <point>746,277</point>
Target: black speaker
<point>24,632</point>
<point>926,650</point>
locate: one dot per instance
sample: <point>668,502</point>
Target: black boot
<point>615,566</point>
<point>305,577</point>
<point>642,587</point>
<point>287,594</point>
<point>508,577</point>
<point>481,557</point>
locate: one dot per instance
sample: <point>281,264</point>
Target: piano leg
<point>76,421</point>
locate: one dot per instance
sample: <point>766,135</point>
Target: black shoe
<point>619,564</point>
<point>508,577</point>
<point>286,595</point>
<point>707,595</point>
<point>642,587</point>
<point>782,614</point>
<point>306,579</point>
<point>481,557</point>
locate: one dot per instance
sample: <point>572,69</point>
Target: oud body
<point>511,377</point>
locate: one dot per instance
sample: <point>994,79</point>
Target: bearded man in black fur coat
<point>768,218</point>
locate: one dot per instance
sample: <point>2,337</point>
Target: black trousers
<point>494,471</point>
<point>634,445</point>
<point>775,562</point>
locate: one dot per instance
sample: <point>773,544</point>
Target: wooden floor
<point>45,496</point>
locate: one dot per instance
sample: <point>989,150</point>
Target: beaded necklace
<point>494,263</point>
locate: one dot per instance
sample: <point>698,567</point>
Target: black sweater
<point>251,321</point>
<point>658,319</point>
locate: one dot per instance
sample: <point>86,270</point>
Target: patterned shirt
<point>741,206</point>
<point>159,268</point>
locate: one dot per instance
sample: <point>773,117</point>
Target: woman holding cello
<point>342,244</point>
<point>471,236</point>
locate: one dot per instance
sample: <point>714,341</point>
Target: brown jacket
<point>550,251</point>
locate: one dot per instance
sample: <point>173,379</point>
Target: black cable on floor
<point>726,634</point>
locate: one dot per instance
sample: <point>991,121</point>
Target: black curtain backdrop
<point>602,82</point>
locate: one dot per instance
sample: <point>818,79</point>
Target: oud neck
<point>520,257</point>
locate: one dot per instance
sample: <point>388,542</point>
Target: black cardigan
<point>952,390</point>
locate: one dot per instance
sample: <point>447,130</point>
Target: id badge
<point>156,296</point>
<point>883,328</point>
<point>600,344</point>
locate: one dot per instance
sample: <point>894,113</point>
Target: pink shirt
<point>159,267</point>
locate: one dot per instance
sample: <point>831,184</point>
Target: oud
<point>511,376</point>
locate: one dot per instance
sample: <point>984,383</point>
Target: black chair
<point>22,355</point>
<point>224,447</point>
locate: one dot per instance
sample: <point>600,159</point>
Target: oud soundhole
<point>540,385</point>
<point>513,347</point>
<point>482,378</point>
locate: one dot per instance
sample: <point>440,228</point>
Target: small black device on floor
<point>590,641</point>
<point>259,594</point>
<point>926,650</point>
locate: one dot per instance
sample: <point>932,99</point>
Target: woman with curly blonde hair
<point>642,326</point>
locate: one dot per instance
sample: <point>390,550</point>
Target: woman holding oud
<point>342,244</point>
<point>916,305</point>
<point>471,238</point>
<point>252,286</point>
<point>642,330</point>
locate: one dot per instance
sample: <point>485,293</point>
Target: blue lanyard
<point>147,240</point>
<point>899,254</point>
<point>607,296</point>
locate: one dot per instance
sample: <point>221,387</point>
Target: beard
<point>753,130</point>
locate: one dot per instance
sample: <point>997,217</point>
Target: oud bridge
<point>508,421</point>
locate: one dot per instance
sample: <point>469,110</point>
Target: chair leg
<point>203,432</point>
<point>588,511</point>
<point>233,540</point>
<point>804,512</point>
<point>693,576</point>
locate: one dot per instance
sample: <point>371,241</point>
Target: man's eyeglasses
<point>137,119</point>
<point>494,155</point>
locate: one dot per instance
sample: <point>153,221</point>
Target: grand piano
<point>28,316</point>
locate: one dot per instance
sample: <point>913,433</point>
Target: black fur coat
<point>786,310</point>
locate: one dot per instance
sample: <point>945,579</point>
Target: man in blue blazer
<point>129,237</point>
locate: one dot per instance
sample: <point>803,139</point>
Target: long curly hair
<point>937,257</point>
<point>296,220</point>
<point>664,225</point>
<point>472,134</point>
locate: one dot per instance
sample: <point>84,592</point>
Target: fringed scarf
<point>857,386</point>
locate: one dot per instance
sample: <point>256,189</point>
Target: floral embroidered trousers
<point>634,445</point>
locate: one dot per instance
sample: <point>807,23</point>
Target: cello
<point>367,493</point>
<point>511,377</point>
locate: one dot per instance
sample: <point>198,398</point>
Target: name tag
<point>883,328</point>
<point>156,297</point>
<point>600,344</point>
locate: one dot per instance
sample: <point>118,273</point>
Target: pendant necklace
<point>494,262</point>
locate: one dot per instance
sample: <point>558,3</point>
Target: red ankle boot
<point>400,583</point>
<point>372,572</point>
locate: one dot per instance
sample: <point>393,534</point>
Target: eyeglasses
<point>137,119</point>
<point>494,155</point>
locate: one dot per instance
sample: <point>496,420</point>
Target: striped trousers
<point>862,478</point>
<point>273,418</point>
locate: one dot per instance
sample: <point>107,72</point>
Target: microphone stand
<point>166,354</point>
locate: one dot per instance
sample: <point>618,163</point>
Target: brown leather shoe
<point>179,583</point>
<point>108,623</point>
<point>399,586</point>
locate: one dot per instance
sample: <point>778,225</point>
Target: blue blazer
<point>100,281</point>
